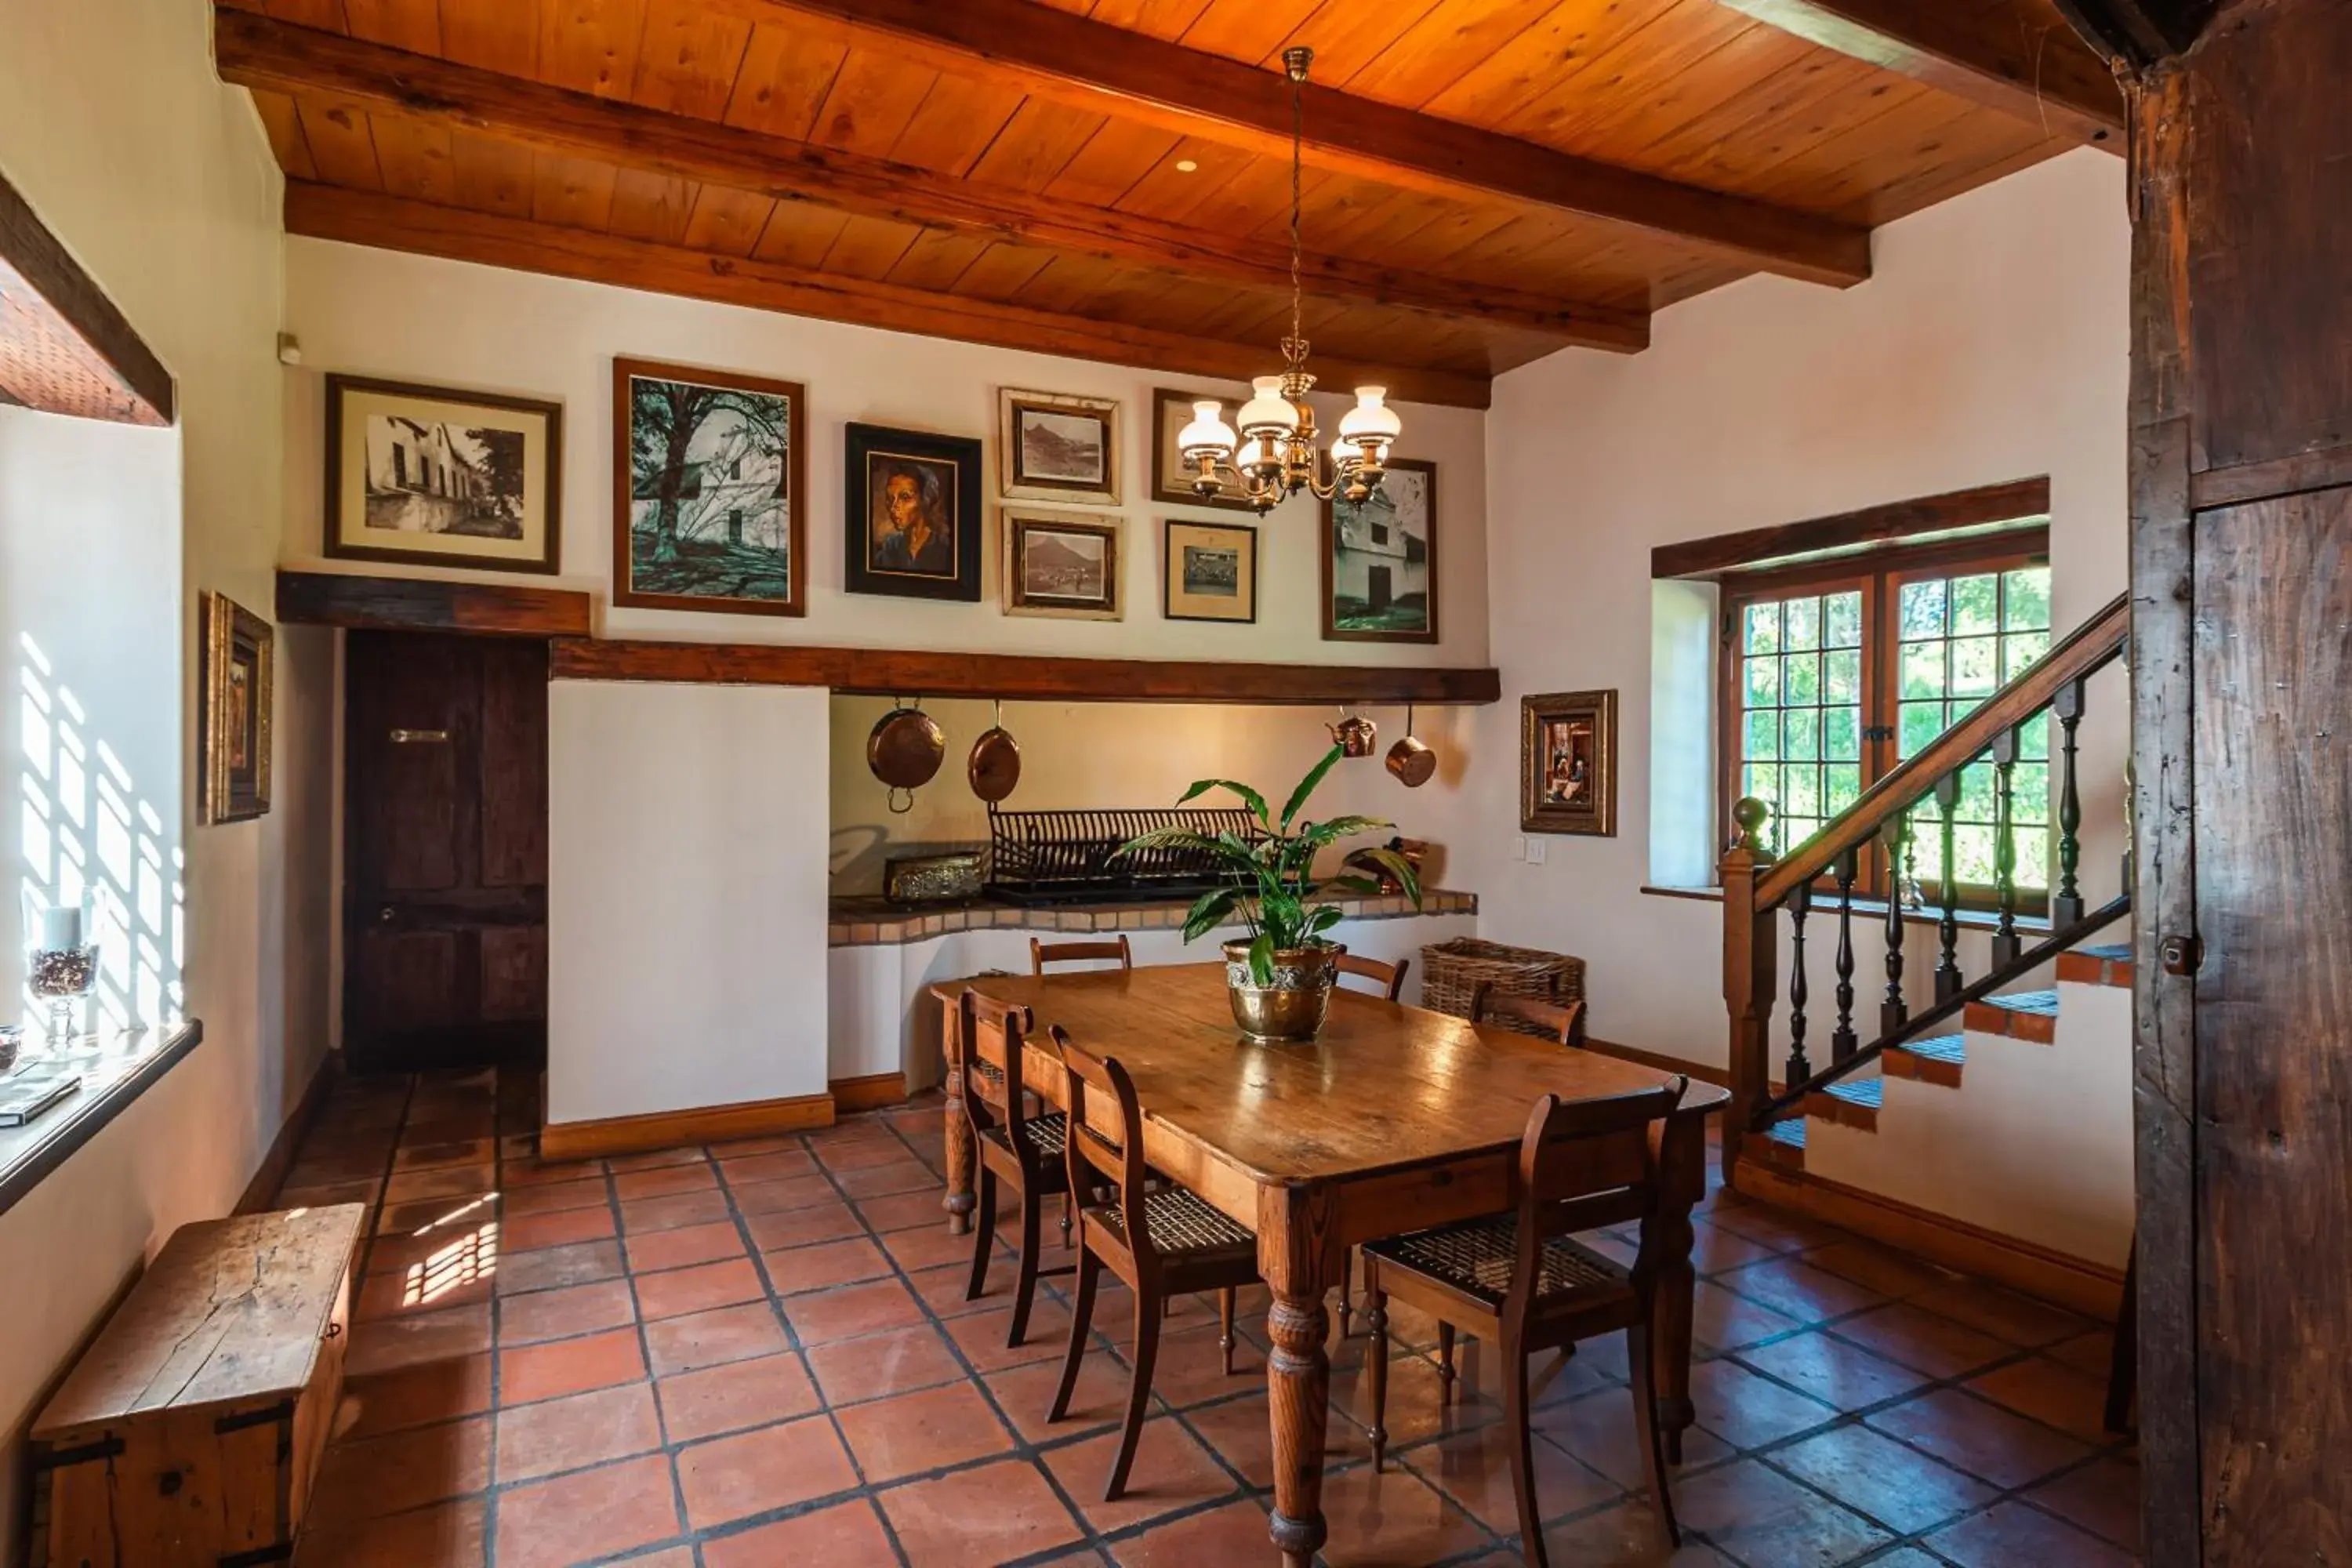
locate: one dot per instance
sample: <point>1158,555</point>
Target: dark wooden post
<point>1751,973</point>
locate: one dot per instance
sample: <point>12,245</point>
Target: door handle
<point>384,914</point>
<point>420,737</point>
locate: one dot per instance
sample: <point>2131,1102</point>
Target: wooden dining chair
<point>1563,1021</point>
<point>1042,954</point>
<point>1021,1150</point>
<point>1521,1284</point>
<point>1388,977</point>
<point>1181,1244</point>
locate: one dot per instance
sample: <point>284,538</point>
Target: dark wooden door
<point>444,956</point>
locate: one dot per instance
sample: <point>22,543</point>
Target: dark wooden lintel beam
<point>1058,54</point>
<point>885,672</point>
<point>2005,55</point>
<point>1916,521</point>
<point>421,605</point>
<point>256,52</point>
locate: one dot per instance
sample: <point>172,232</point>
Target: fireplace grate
<point>1065,857</point>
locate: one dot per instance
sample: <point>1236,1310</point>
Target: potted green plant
<point>1280,975</point>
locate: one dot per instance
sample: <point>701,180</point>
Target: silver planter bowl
<point>1293,1008</point>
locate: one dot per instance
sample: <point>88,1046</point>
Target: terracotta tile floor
<point>760,1354</point>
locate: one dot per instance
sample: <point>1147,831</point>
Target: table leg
<point>960,1200</point>
<point>1298,1388</point>
<point>1682,1163</point>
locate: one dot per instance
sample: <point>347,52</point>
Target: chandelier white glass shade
<point>1273,453</point>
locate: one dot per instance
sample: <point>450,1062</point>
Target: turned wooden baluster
<point>2066,903</point>
<point>2005,943</point>
<point>1751,973</point>
<point>1842,1040</point>
<point>1893,1013</point>
<point>1801,901</point>
<point>1947,928</point>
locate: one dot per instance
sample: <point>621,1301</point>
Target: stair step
<point>1849,1102</point>
<point>1863,1091</point>
<point>1937,1059</point>
<point>1784,1143</point>
<point>2021,1015</point>
<point>2106,964</point>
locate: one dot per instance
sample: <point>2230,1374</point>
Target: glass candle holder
<point>62,977</point>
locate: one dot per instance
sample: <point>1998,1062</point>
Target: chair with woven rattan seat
<point>1045,955</point>
<point>1521,1283</point>
<point>1388,977</point>
<point>1183,1245</point>
<point>1563,1021</point>
<point>1021,1151</point>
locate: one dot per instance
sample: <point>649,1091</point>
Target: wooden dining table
<point>1396,1119</point>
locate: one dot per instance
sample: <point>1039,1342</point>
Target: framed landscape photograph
<point>1053,448</point>
<point>1568,762</point>
<point>913,514</point>
<point>1172,481</point>
<point>1063,563</point>
<point>238,669</point>
<point>709,475</point>
<point>1208,571</point>
<point>1379,560</point>
<point>435,477</point>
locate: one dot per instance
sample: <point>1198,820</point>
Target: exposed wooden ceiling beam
<point>1068,58</point>
<point>256,52</point>
<point>360,217</point>
<point>2140,32</point>
<point>2002,55</point>
<point>64,347</point>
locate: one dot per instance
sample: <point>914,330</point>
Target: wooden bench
<point>191,1431</point>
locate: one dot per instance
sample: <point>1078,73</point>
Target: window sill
<point>1970,919</point>
<point>121,1068</point>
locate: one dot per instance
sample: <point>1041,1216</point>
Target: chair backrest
<point>1042,954</point>
<point>995,1033</point>
<point>1117,1153</point>
<point>1563,1021</point>
<point>1388,977</point>
<point>1589,1162</point>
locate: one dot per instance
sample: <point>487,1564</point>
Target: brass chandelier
<point>1274,455</point>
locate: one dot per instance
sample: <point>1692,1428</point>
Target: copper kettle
<point>1354,735</point>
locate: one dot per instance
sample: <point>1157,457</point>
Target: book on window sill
<point>28,1094</point>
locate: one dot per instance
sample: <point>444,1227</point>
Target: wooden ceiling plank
<point>689,60</point>
<point>960,120</point>
<point>872,101</point>
<point>418,159</point>
<point>1035,145</point>
<point>782,81</point>
<point>937,260</point>
<point>1346,40</point>
<point>494,35</point>
<point>328,212</point>
<point>652,207</point>
<point>1003,271</point>
<point>1444,47</point>
<point>326,14</point>
<point>1632,65</point>
<point>1122,152</point>
<point>2015,56</point>
<point>591,45</point>
<point>575,192</point>
<point>1543,60</point>
<point>258,54</point>
<point>1078,60</point>
<point>284,128</point>
<point>728,221</point>
<point>799,233</point>
<point>396,23</point>
<point>492,175</point>
<point>868,247</point>
<point>342,142</point>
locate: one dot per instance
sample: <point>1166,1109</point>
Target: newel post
<point>1751,967</point>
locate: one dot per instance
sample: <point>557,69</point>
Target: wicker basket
<point>1452,971</point>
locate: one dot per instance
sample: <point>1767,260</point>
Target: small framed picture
<point>1063,563</point>
<point>709,472</point>
<point>1568,763</point>
<point>1208,571</point>
<point>239,663</point>
<point>1379,560</point>
<point>1172,479</point>
<point>429,476</point>
<point>913,510</point>
<point>1053,448</point>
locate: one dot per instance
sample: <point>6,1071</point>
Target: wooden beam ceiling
<point>64,348</point>
<point>2140,32</point>
<point>2004,55</point>
<point>359,217</point>
<point>1065,57</point>
<point>257,52</point>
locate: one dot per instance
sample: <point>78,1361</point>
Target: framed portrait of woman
<point>913,514</point>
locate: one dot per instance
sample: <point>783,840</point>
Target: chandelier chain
<point>1297,347</point>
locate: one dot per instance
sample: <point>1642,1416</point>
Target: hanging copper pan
<point>1412,762</point>
<point>903,752</point>
<point>994,768</point>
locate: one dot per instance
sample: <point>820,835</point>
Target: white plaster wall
<point>158,178</point>
<point>1991,344</point>
<point>685,897</point>
<point>882,1021</point>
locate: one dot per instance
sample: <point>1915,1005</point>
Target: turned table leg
<point>960,1200</point>
<point>1683,1165</point>
<point>1297,1265</point>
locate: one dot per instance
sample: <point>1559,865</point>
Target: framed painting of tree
<point>711,471</point>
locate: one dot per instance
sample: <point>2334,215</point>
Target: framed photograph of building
<point>913,514</point>
<point>1379,560</point>
<point>1568,762</point>
<point>430,476</point>
<point>1172,481</point>
<point>1055,448</point>
<point>1063,563</point>
<point>710,481</point>
<point>238,672</point>
<point>1208,571</point>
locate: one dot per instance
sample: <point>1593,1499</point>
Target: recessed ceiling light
<point>1185,166</point>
